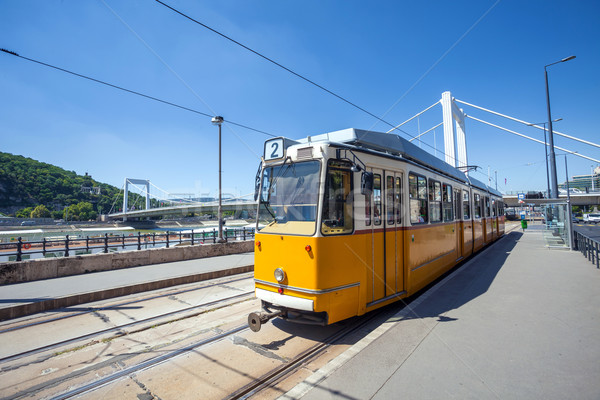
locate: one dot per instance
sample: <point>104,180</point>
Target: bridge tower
<point>128,181</point>
<point>454,120</point>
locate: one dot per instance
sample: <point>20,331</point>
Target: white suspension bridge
<point>454,152</point>
<point>176,204</point>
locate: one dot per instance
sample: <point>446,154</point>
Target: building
<point>585,183</point>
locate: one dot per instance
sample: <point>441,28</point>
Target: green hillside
<point>26,184</point>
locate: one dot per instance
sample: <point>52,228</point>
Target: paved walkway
<point>521,321</point>
<point>27,298</point>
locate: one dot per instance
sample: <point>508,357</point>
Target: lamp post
<point>569,208</point>
<point>546,152</point>
<point>218,120</point>
<point>550,133</point>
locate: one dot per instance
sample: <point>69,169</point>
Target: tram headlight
<point>279,275</point>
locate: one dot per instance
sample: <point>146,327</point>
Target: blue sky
<point>371,53</point>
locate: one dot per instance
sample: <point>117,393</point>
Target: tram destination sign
<point>275,148</point>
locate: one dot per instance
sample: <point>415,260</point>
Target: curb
<point>67,301</point>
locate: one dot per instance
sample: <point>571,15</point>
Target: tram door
<point>386,275</point>
<point>458,225</point>
<point>376,276</point>
<point>394,242</point>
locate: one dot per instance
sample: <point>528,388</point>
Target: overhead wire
<point>186,84</point>
<point>460,39</point>
<point>394,127</point>
<point>274,62</point>
<point>130,91</point>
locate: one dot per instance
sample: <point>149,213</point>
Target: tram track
<point>247,391</point>
<point>278,374</point>
<point>114,305</point>
<point>244,296</point>
<point>147,364</point>
<point>99,361</point>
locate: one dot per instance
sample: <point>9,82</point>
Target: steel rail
<point>114,305</point>
<point>128,325</point>
<point>276,374</point>
<point>146,364</point>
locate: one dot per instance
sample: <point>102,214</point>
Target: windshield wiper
<point>280,173</point>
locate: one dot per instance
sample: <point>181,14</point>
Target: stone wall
<point>31,270</point>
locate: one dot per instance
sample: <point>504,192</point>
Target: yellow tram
<point>356,220</point>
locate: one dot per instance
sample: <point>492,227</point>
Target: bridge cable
<point>527,123</point>
<point>575,153</point>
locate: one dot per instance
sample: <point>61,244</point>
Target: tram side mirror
<point>366,183</point>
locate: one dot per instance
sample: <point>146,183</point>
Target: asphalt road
<point>590,230</point>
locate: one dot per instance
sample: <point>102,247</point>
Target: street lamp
<point>218,120</point>
<point>546,151</point>
<point>550,133</point>
<point>569,206</point>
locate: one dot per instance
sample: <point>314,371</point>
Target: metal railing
<point>86,245</point>
<point>589,247</point>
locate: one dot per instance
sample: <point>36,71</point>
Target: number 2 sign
<point>274,149</point>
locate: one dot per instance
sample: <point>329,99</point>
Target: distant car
<point>591,218</point>
<point>576,219</point>
<point>27,223</point>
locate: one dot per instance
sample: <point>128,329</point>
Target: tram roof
<point>394,145</point>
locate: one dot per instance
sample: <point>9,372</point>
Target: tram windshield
<point>288,200</point>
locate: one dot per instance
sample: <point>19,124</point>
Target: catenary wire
<point>274,62</point>
<point>295,73</point>
<point>130,91</point>
<point>157,99</point>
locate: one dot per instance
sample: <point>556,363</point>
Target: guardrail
<point>589,247</point>
<point>106,243</point>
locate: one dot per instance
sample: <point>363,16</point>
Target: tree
<point>24,213</point>
<point>82,211</point>
<point>86,211</point>
<point>40,212</point>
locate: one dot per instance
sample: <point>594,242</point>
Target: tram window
<point>338,200</point>
<point>466,205</point>
<point>368,210</point>
<point>487,206</point>
<point>494,208</point>
<point>377,199</point>
<point>447,203</point>
<point>417,190</point>
<point>435,201</point>
<point>398,200</point>
<point>457,204</point>
<point>389,199</point>
<point>477,205</point>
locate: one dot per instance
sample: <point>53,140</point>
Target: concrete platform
<point>520,321</point>
<point>21,299</point>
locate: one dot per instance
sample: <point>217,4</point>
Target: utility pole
<point>218,120</point>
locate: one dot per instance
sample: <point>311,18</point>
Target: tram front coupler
<point>257,319</point>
